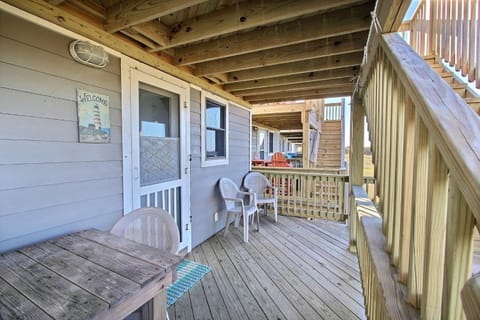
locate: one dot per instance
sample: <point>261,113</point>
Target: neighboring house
<point>294,127</point>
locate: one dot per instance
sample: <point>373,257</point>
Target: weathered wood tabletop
<point>87,275</point>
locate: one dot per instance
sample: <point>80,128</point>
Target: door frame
<point>129,66</point>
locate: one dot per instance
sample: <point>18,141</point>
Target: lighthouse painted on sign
<point>93,117</point>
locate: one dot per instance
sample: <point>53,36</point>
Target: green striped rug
<point>188,274</point>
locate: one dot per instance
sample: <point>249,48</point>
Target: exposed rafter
<point>329,24</point>
<point>331,62</point>
<point>304,94</point>
<point>308,50</point>
<point>128,13</point>
<point>245,15</point>
<point>295,87</point>
<point>292,79</point>
<point>154,30</point>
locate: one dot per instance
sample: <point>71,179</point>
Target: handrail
<point>452,123</point>
<point>309,193</point>
<point>426,150</point>
<point>373,259</point>
<point>450,30</point>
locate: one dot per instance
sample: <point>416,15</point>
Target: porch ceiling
<point>280,121</point>
<point>259,51</point>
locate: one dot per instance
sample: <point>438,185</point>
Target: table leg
<point>160,305</point>
<point>156,308</point>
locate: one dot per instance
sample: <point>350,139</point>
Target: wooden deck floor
<point>293,269</point>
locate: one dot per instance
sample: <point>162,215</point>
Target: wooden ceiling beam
<point>306,97</point>
<point>295,108</point>
<point>319,64</point>
<point>154,30</point>
<point>245,15</point>
<point>295,87</point>
<point>130,32</point>
<point>292,79</point>
<point>300,95</point>
<point>128,13</point>
<point>329,24</point>
<point>308,50</point>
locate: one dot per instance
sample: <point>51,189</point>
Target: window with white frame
<point>214,130</point>
<point>270,142</point>
<point>261,141</point>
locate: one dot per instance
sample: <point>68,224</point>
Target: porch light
<point>89,54</point>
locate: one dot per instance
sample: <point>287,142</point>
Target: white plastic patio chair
<point>265,193</point>
<point>235,205</point>
<point>153,227</point>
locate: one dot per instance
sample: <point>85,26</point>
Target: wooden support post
<point>435,235</point>
<point>419,212</point>
<point>407,193</point>
<point>356,161</point>
<point>306,138</point>
<point>458,252</point>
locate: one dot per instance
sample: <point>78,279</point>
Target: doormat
<point>188,274</point>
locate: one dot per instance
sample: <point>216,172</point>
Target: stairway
<point>329,147</point>
<point>456,84</point>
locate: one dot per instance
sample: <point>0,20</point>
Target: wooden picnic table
<point>86,275</point>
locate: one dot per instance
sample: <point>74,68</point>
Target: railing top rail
<point>453,126</point>
<point>301,171</point>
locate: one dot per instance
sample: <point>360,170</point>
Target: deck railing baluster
<point>424,142</point>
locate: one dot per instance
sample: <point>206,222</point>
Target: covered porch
<point>293,269</point>
<point>406,255</point>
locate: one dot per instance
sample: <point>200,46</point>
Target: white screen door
<point>160,169</point>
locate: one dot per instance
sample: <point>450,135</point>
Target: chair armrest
<point>234,199</point>
<point>252,196</point>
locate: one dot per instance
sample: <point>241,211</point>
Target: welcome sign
<point>93,117</point>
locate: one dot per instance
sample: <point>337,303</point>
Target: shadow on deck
<point>293,269</point>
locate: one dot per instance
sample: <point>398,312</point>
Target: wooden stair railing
<point>449,30</point>
<point>456,84</point>
<point>426,150</point>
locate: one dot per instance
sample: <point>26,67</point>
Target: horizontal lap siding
<point>50,183</point>
<point>205,195</point>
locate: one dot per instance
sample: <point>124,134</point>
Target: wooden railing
<point>309,193</point>
<point>449,30</point>
<point>333,112</point>
<point>426,151</point>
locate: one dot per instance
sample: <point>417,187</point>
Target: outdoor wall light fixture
<point>89,54</point>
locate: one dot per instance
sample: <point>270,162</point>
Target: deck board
<point>293,269</point>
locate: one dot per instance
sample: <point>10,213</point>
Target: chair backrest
<point>228,189</point>
<point>279,160</point>
<point>256,182</point>
<point>150,226</point>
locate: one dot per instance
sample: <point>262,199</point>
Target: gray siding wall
<point>49,183</point>
<point>205,195</point>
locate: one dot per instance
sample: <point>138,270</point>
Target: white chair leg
<point>237,220</point>
<point>275,211</point>
<point>245,227</point>
<point>258,219</point>
<point>227,223</point>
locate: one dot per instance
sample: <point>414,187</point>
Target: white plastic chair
<point>235,205</point>
<point>153,227</point>
<point>265,193</point>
